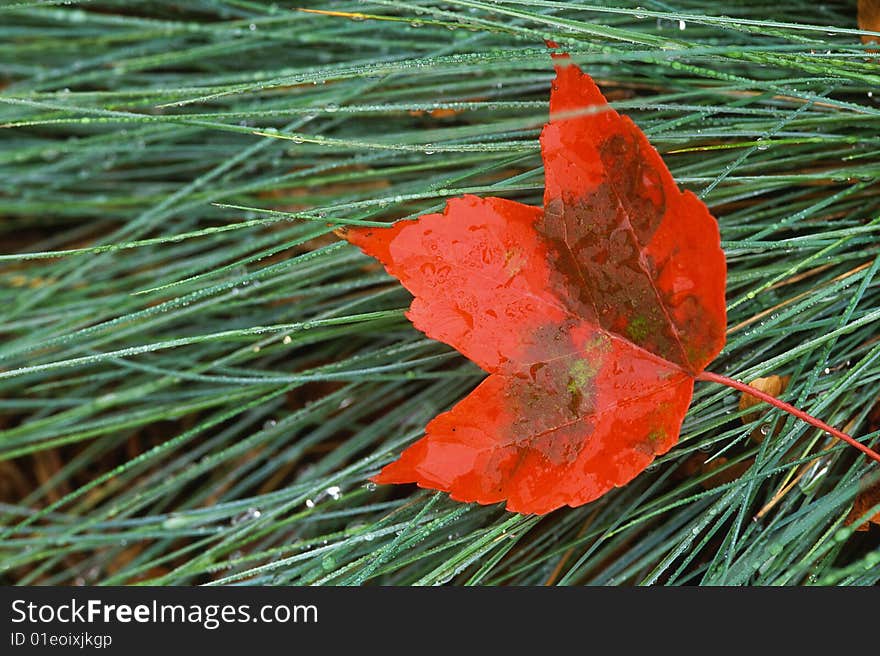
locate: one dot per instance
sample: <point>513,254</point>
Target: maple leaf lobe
<point>591,315</point>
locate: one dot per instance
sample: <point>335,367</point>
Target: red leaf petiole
<point>790,409</point>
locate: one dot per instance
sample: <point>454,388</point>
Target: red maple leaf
<point>593,315</point>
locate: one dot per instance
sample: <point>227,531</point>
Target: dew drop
<point>247,516</point>
<point>813,475</point>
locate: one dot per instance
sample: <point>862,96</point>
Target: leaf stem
<point>790,409</point>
